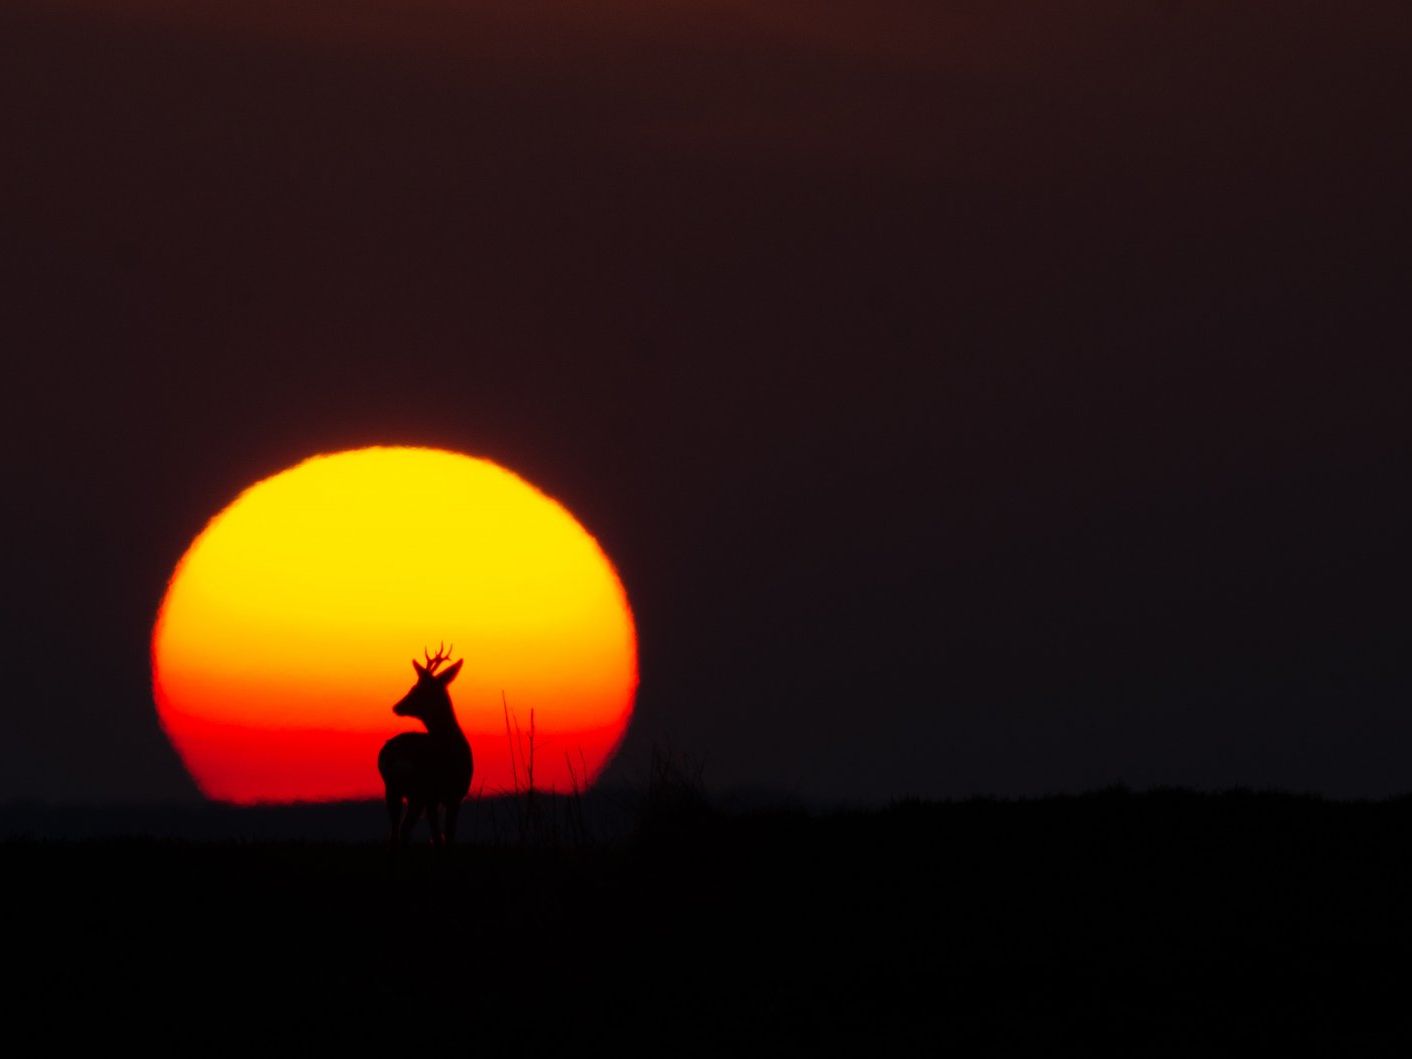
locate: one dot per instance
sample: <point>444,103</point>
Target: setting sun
<point>286,632</point>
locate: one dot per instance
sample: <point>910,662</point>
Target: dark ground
<point>1152,924</point>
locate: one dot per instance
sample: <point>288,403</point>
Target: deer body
<point>431,770</point>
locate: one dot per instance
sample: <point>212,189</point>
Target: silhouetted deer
<point>423,771</point>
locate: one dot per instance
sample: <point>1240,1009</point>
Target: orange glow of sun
<point>286,631</point>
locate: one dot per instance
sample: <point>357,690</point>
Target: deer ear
<point>447,675</point>
<point>421,669</point>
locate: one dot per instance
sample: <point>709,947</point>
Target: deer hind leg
<point>449,831</point>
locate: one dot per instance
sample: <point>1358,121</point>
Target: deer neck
<point>445,727</point>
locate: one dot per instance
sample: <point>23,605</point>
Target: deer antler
<point>442,654</point>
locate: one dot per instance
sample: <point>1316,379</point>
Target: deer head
<point>428,701</point>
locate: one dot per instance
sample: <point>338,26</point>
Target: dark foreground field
<point>1160,923</point>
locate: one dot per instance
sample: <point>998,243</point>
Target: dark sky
<point>976,397</point>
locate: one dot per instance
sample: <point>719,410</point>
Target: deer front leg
<point>414,810</point>
<point>433,818</point>
<point>394,817</point>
